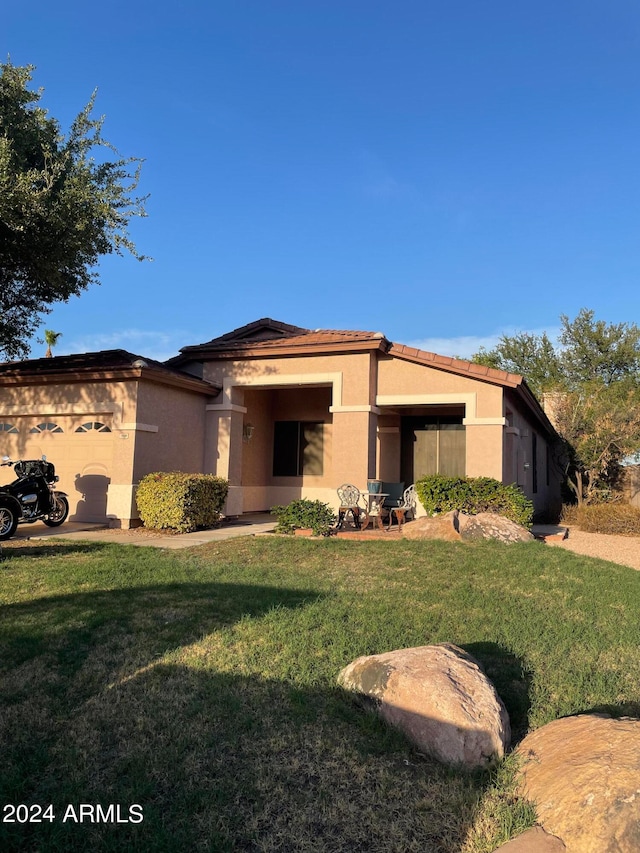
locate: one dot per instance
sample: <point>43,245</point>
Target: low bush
<point>181,502</point>
<point>471,495</point>
<point>616,518</point>
<point>302,514</point>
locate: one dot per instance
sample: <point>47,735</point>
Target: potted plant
<point>315,517</point>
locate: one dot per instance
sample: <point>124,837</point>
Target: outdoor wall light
<point>247,432</point>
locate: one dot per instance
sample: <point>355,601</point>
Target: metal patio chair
<point>349,503</point>
<point>406,506</point>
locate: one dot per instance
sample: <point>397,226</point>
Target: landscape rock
<point>439,697</point>
<point>433,527</point>
<point>490,525</point>
<point>583,773</point>
<point>534,840</point>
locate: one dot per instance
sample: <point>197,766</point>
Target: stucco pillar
<point>484,450</point>
<point>223,451</point>
<point>354,446</point>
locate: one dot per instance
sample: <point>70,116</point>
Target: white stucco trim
<point>276,380</point>
<point>80,408</point>
<point>339,409</point>
<point>139,427</point>
<point>83,407</point>
<point>483,421</point>
<point>221,407</point>
<point>121,501</point>
<point>469,401</point>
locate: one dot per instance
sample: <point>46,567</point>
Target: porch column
<point>354,444</point>
<point>223,451</point>
<point>484,449</point>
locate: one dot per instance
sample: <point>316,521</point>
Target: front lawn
<point>201,686</point>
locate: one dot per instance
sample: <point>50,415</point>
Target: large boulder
<point>583,773</point>
<point>534,840</point>
<point>433,527</point>
<point>490,525</point>
<point>439,697</point>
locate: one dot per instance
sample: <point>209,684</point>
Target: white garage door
<point>80,448</point>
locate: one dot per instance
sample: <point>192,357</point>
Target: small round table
<point>373,512</point>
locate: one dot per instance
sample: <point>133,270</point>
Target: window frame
<point>289,446</point>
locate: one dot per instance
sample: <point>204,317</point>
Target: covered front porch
<point>277,441</point>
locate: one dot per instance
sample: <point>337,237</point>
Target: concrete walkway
<point>250,524</point>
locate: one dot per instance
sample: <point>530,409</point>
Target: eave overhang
<point>21,377</point>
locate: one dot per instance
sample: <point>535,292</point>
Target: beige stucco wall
<point>171,430</point>
<point>406,386</point>
<point>333,389</point>
<point>518,460</point>
<point>76,456</point>
<point>260,488</point>
<point>153,427</point>
<point>364,398</point>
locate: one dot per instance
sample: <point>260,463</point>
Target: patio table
<point>373,511</point>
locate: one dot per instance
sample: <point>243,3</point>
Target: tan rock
<point>534,840</point>
<point>439,697</point>
<point>583,773</point>
<point>490,525</point>
<point>433,527</point>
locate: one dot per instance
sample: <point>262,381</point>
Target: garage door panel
<point>83,460</point>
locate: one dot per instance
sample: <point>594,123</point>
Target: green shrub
<point>616,518</point>
<point>302,514</point>
<point>182,502</point>
<point>472,495</point>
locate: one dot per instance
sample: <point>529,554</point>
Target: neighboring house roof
<point>105,365</point>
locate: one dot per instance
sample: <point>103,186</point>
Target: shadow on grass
<point>512,680</point>
<point>14,549</point>
<point>225,762</point>
<point>95,712</point>
<point>154,617</point>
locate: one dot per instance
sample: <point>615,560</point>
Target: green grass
<point>202,685</point>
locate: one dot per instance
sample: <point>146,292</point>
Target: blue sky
<point>442,172</point>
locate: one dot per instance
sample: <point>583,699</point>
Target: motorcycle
<point>31,497</point>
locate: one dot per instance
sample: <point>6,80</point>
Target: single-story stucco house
<point>282,412</point>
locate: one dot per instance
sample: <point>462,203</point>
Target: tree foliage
<point>534,356</point>
<point>62,206</point>
<point>590,383</point>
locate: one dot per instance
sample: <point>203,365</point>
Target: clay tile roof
<point>267,335</point>
<point>104,361</point>
<point>456,365</point>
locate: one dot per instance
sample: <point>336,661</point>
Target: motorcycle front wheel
<point>59,513</point>
<point>8,522</point>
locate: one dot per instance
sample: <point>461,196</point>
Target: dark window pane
<point>286,448</point>
<point>311,449</point>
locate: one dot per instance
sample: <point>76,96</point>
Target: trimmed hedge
<point>471,495</point>
<point>302,514</point>
<point>616,518</point>
<point>181,502</point>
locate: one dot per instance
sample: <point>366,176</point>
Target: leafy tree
<point>600,425</point>
<point>61,207</point>
<point>590,384</point>
<point>534,356</point>
<point>593,349</point>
